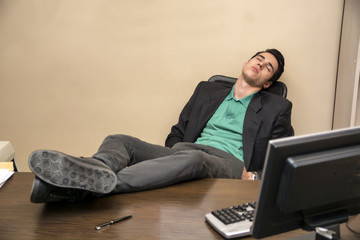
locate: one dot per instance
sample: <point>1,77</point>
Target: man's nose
<point>261,65</point>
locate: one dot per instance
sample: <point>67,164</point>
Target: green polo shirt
<point>224,130</point>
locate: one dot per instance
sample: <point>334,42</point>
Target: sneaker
<point>43,192</point>
<point>65,171</point>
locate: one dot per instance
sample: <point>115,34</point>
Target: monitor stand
<point>330,221</point>
<point>322,233</point>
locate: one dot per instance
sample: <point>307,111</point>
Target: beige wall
<point>72,72</point>
<point>347,100</point>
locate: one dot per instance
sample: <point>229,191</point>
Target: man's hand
<point>247,175</point>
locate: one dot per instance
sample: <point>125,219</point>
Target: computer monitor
<point>309,181</point>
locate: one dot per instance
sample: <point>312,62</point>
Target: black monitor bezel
<point>269,220</point>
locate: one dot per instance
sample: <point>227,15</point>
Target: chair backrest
<point>277,87</point>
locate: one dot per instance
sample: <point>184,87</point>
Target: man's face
<point>258,70</point>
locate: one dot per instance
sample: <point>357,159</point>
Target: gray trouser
<point>142,166</point>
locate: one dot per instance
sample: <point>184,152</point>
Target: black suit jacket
<point>268,117</point>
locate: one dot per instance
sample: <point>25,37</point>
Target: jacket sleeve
<point>282,126</point>
<point>178,130</point>
<point>275,123</point>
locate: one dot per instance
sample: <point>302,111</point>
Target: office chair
<point>278,88</point>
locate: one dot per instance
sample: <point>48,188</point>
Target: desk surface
<point>175,212</point>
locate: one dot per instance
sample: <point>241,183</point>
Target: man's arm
<point>178,130</point>
<point>282,126</point>
<point>275,119</point>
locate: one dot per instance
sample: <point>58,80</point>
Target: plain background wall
<point>347,86</point>
<point>72,72</point>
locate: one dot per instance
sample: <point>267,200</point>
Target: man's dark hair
<point>280,59</point>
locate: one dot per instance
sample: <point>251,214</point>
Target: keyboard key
<point>236,213</point>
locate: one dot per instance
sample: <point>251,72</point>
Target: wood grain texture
<point>175,212</point>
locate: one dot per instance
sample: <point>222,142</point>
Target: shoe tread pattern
<point>62,170</point>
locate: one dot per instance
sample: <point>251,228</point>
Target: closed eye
<point>269,66</point>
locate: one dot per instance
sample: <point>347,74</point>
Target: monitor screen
<point>309,181</point>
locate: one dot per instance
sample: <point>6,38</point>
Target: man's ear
<point>267,84</point>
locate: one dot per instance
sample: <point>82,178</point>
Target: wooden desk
<point>175,212</point>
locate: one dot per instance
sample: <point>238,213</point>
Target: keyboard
<point>234,221</point>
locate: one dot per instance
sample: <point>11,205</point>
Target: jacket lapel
<point>252,123</point>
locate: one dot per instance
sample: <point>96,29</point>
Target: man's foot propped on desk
<point>58,174</point>
<point>43,192</point>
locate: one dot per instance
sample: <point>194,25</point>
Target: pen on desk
<point>103,225</point>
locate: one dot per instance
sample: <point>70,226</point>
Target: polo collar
<point>245,100</point>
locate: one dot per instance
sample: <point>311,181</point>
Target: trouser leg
<point>119,151</point>
<point>187,163</point>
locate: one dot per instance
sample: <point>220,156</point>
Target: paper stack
<point>5,174</point>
